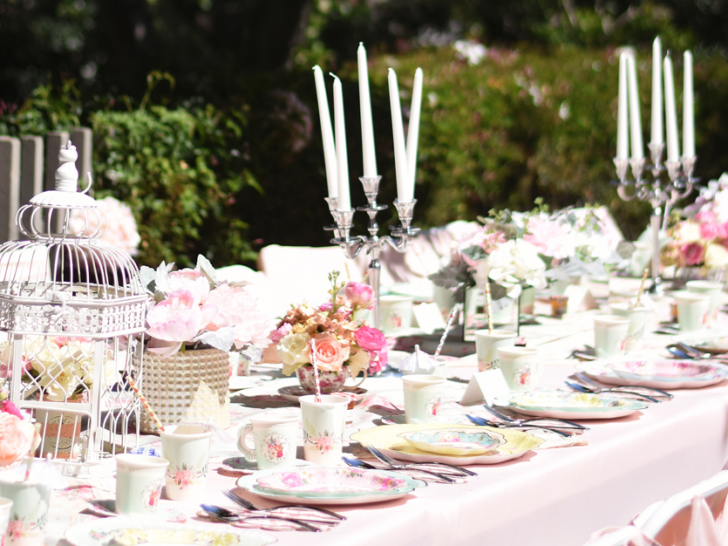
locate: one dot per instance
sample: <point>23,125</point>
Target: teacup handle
<point>353,387</point>
<point>248,453</point>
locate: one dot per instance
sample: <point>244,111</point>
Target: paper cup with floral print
<point>28,513</point>
<point>139,482</point>
<point>6,507</point>
<point>637,323</point>
<point>521,367</point>
<point>395,314</point>
<point>323,428</point>
<point>487,343</point>
<point>693,311</point>
<point>275,438</point>
<point>611,334</point>
<point>422,398</point>
<point>187,448</point>
<point>712,289</point>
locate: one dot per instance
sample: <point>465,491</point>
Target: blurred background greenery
<point>205,118</point>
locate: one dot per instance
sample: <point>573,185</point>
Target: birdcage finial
<point>66,174</point>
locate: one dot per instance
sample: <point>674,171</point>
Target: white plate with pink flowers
<point>329,485</point>
<point>656,373</point>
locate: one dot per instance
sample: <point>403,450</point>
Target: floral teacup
<point>274,440</point>
<point>29,512</point>
<point>187,448</point>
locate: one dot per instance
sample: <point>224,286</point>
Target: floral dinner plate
<point>655,373</point>
<point>454,441</point>
<point>388,440</point>
<point>572,405</point>
<point>321,481</point>
<point>128,531</point>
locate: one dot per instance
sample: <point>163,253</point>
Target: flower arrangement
<point>118,227</point>
<point>701,240</point>
<point>193,310</point>
<point>330,333</point>
<point>58,368</point>
<point>18,436</point>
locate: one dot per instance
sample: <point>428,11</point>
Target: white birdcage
<point>70,306</point>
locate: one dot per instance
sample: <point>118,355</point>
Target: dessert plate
<point>144,530</point>
<point>454,441</point>
<point>572,405</point>
<point>656,373</point>
<point>343,494</point>
<point>321,481</point>
<point>388,440</point>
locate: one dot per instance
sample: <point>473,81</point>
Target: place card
<point>580,299</point>
<point>486,387</point>
<point>428,317</point>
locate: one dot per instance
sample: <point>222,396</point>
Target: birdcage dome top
<point>63,280</point>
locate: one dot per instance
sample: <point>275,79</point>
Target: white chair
<point>669,522</point>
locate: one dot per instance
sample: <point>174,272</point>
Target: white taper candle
<point>413,131</point>
<point>622,112</point>
<point>400,153</point>
<point>635,123</point>
<point>673,152</point>
<point>656,125</point>
<point>343,201</point>
<point>688,116</point>
<point>327,133</point>
<point>365,107</point>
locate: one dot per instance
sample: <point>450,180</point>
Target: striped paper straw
<point>447,329</point>
<point>489,307</point>
<point>315,371</point>
<point>144,402</point>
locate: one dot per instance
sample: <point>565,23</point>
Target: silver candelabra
<point>352,246</point>
<point>660,195</point>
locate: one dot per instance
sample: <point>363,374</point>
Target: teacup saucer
<point>294,392</point>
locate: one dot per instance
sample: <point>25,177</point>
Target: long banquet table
<point>553,497</point>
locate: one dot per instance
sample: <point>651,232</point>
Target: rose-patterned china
<point>187,448</point>
<point>6,506</point>
<point>323,428</point>
<point>141,530</point>
<point>344,485</point>
<point>611,334</point>
<point>570,405</point>
<point>330,381</point>
<point>656,373</point>
<point>454,441</point>
<point>395,314</point>
<point>139,482</point>
<point>637,322</point>
<point>487,343</point>
<point>28,514</point>
<point>388,440</point>
<point>521,367</point>
<point>422,397</point>
<point>275,438</point>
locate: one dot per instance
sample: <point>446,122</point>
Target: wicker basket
<point>171,384</point>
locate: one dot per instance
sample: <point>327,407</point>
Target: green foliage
<point>181,172</point>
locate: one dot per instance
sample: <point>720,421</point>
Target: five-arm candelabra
<point>398,240</point>
<point>660,195</point>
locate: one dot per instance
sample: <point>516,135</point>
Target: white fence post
<point>9,187</point>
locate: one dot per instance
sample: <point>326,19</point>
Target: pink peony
<point>329,354</point>
<point>379,361</point>
<point>178,318</point>
<point>239,308</point>
<point>693,253</point>
<point>706,217</point>
<point>115,224</point>
<point>16,438</point>
<point>712,231</point>
<point>370,339</point>
<point>193,280</point>
<point>549,237</point>
<point>359,294</point>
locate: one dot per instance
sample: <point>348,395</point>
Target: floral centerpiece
<point>18,436</point>
<point>330,336</point>
<point>701,239</point>
<point>194,311</point>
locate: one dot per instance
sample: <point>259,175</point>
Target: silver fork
<point>589,382</point>
<point>386,459</point>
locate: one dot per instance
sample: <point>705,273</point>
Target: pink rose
<point>379,361</point>
<point>693,253</point>
<point>7,406</point>
<point>279,333</point>
<point>359,294</point>
<point>712,231</point>
<point>178,318</point>
<point>16,437</point>
<point>329,354</point>
<point>370,339</point>
<point>706,216</point>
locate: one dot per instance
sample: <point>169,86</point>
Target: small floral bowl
<point>458,442</point>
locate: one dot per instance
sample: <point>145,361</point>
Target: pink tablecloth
<point>557,496</point>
